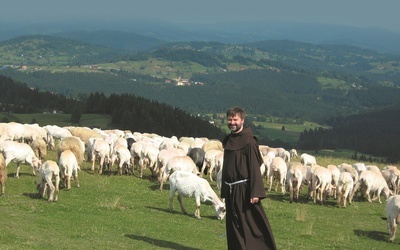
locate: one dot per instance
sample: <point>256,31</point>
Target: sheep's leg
<point>291,192</point>
<point>270,183</point>
<point>197,211</point>
<point>3,185</point>
<point>17,173</point>
<point>367,194</point>
<point>392,227</point>
<point>181,204</point>
<point>56,189</point>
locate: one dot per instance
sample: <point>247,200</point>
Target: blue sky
<point>359,13</point>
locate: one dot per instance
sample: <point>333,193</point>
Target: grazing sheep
<point>187,184</point>
<point>39,147</point>
<point>212,144</point>
<point>359,166</point>
<point>75,144</point>
<point>393,215</point>
<point>84,133</point>
<point>49,171</point>
<point>182,163</point>
<point>278,172</point>
<point>68,168</point>
<point>294,179</point>
<point>209,162</point>
<point>392,177</point>
<point>373,182</point>
<point>321,182</point>
<point>197,155</point>
<point>100,153</point>
<point>335,178</point>
<point>163,158</point>
<point>345,188</point>
<point>122,155</point>
<point>19,153</point>
<point>3,175</point>
<point>307,159</point>
<point>293,153</point>
<point>57,132</point>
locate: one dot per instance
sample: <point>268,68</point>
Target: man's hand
<point>254,200</point>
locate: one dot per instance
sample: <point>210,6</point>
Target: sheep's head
<point>36,162</point>
<point>221,212</point>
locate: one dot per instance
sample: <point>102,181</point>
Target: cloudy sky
<point>359,13</point>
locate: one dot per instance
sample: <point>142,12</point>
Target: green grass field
<point>126,212</point>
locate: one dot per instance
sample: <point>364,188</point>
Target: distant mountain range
<point>156,33</point>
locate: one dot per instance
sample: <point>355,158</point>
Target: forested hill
<point>127,111</point>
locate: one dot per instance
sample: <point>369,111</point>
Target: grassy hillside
<point>127,212</point>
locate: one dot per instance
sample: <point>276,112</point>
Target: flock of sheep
<point>183,162</point>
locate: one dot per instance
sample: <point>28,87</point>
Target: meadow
<point>128,212</point>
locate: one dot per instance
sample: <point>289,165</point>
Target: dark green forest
<point>127,111</point>
<point>374,133</point>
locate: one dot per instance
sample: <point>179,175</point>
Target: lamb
<point>373,182</point>
<point>3,175</point>
<point>307,159</point>
<point>69,168</point>
<point>49,171</point>
<point>393,215</point>
<point>187,184</point>
<point>278,171</point>
<point>321,182</point>
<point>345,188</point>
<point>19,152</point>
<point>182,163</point>
<point>294,179</point>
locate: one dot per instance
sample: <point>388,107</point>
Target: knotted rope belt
<point>235,216</point>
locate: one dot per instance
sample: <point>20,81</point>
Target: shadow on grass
<point>166,210</point>
<point>375,235</point>
<point>33,196</point>
<point>159,243</point>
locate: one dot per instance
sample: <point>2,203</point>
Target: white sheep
<point>294,179</point>
<point>209,162</point>
<point>373,182</point>
<point>178,163</point>
<point>335,178</point>
<point>100,153</point>
<point>69,168</point>
<point>393,215</point>
<point>345,188</point>
<point>122,155</point>
<point>19,152</point>
<point>187,184</point>
<point>278,172</point>
<point>321,183</point>
<point>163,158</point>
<point>307,159</point>
<point>49,171</point>
<point>293,153</point>
<point>392,177</point>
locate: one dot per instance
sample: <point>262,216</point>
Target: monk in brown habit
<point>247,226</point>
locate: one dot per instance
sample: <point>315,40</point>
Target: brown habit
<point>250,229</point>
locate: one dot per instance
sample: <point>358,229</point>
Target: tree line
<point>127,111</point>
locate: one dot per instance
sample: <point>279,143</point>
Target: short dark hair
<point>236,111</point>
